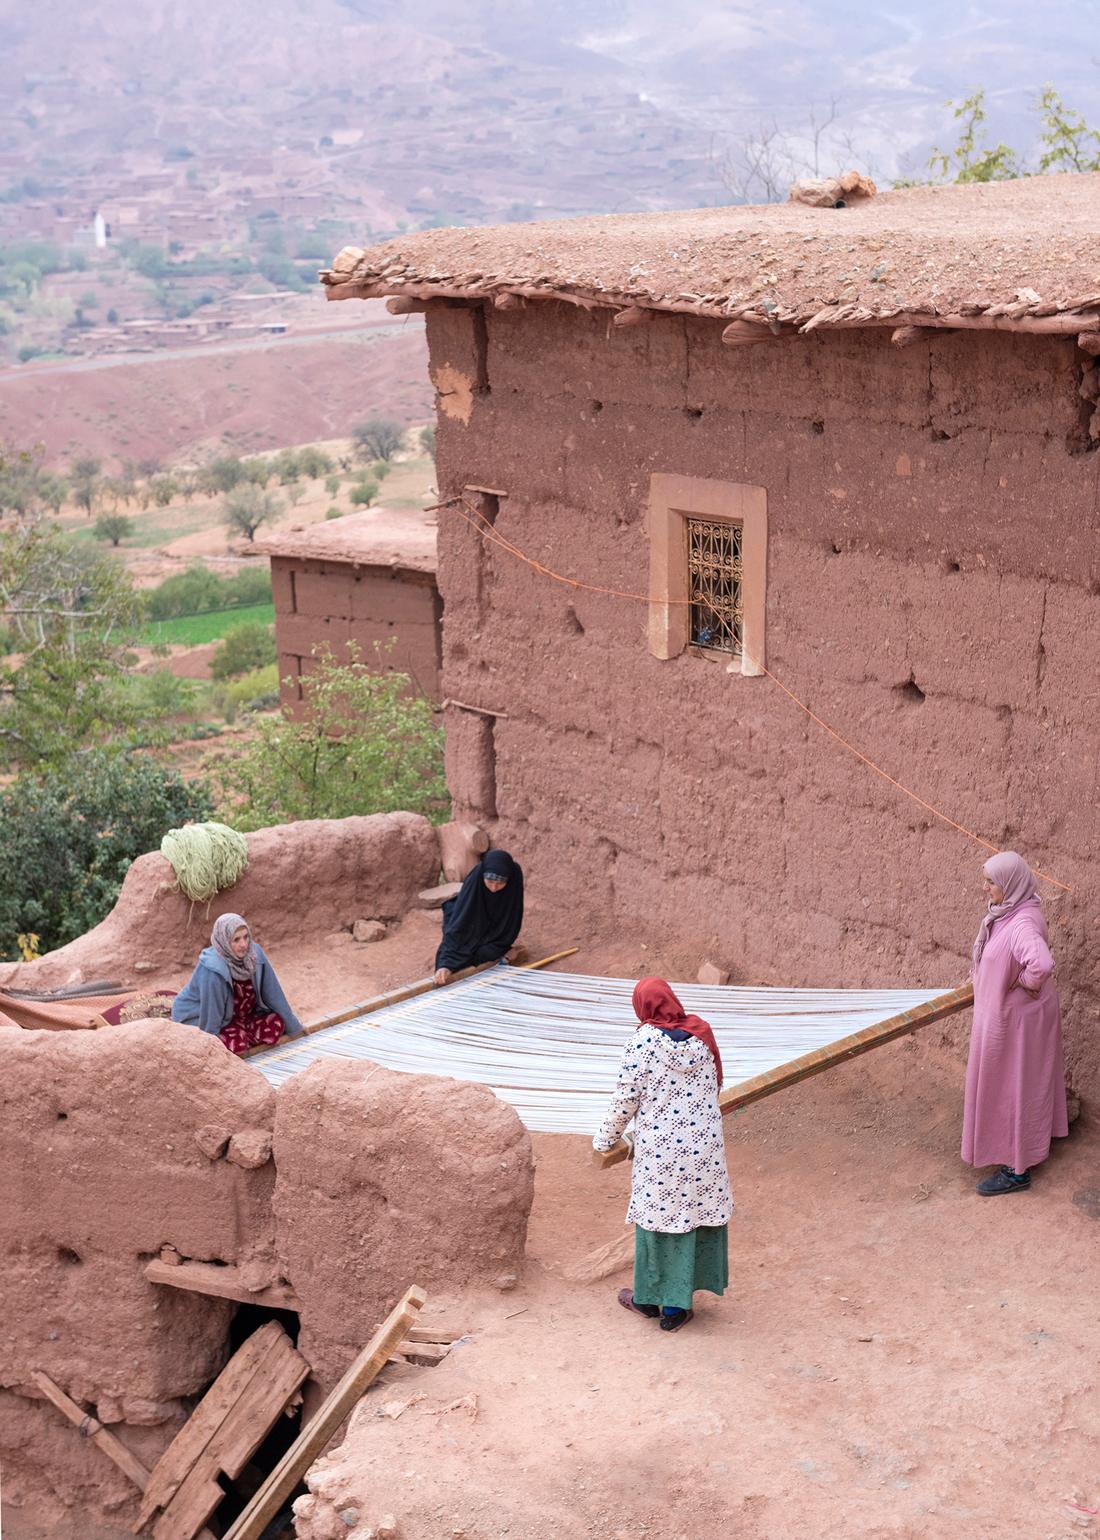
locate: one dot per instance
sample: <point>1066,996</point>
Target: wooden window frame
<point>674,499</point>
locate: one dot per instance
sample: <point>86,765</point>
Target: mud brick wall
<point>334,602</point>
<point>933,591</point>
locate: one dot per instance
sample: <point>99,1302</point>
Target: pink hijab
<point>1017,882</point>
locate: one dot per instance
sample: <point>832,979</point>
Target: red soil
<point>246,398</point>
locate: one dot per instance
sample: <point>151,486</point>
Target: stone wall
<point>333,602</point>
<point>933,592</point>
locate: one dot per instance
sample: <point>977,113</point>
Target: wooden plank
<point>311,1442</point>
<point>221,1283</point>
<point>821,1059</point>
<point>91,1428</point>
<point>239,1436</point>
<point>426,1332</point>
<point>426,1354</point>
<point>180,1456</point>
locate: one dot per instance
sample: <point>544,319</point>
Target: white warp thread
<point>550,1043</point>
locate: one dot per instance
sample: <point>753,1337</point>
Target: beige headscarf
<point>226,927</point>
<point>1017,883</point>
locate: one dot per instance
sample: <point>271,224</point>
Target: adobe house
<point>855,447</point>
<point>368,578</point>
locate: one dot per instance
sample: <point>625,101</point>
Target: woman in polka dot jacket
<point>680,1200</point>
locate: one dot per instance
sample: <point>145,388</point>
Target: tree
<point>1071,145</point>
<point>113,527</point>
<point>247,646</point>
<point>364,493</point>
<point>224,474</point>
<point>332,485</point>
<point>971,160</point>
<point>84,472</point>
<point>67,839</point>
<point>53,490</point>
<point>69,612</point>
<point>427,439</point>
<point>249,506</point>
<point>287,466</point>
<point>164,489</point>
<point>377,439</point>
<point>362,743</point>
<point>21,481</point>
<point>313,462</point>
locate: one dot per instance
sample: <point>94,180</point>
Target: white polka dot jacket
<point>670,1089</point>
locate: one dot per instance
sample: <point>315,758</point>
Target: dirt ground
<point>896,1358</point>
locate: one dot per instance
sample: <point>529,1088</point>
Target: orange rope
<point>492,536</point>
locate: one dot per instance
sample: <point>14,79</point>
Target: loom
<point>550,1044</point>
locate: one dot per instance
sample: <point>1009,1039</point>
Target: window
<point>714,584</point>
<point>708,543</point>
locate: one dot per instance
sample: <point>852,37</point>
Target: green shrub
<point>360,743</point>
<point>313,462</point>
<point>257,690</point>
<point>67,839</point>
<point>364,493</point>
<point>334,513</point>
<point>245,647</point>
<point>332,485</point>
<point>113,527</point>
<point>427,439</point>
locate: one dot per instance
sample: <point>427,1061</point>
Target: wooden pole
<point>821,1059</point>
<point>311,1442</point>
<point>90,1427</point>
<point>397,996</point>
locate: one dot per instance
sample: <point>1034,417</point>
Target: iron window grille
<point>714,585</point>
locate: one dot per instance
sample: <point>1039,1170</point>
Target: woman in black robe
<point>481,923</point>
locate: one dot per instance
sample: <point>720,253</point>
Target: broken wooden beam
<point>91,1428</point>
<point>401,304</point>
<point>820,1059</point>
<point>740,333</point>
<point>221,1283</point>
<point>509,301</point>
<point>633,315</point>
<point>259,1511</point>
<point>224,1431</point>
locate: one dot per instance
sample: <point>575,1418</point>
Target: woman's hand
<point>1034,993</point>
<point>443,975</point>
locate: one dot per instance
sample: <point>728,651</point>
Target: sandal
<point>674,1322</point>
<point>626,1299</point>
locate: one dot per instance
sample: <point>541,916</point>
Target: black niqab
<point>479,926</point>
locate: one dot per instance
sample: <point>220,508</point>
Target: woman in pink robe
<point>1015,1077</point>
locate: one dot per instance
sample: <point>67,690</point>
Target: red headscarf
<point>654,1002</point>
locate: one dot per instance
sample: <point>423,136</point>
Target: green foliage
<point>69,611</point>
<point>257,690</point>
<point>113,527</point>
<point>199,590</point>
<point>313,462</point>
<point>23,482</point>
<point>149,261</point>
<point>379,438</point>
<point>287,466</point>
<point>225,474</point>
<point>247,507</point>
<point>427,439</point>
<point>360,744</point>
<point>332,485</point>
<point>247,646</point>
<point>334,513</point>
<point>1071,145</point>
<point>196,630</point>
<point>971,160</point>
<point>378,471</point>
<point>163,489</point>
<point>112,316</point>
<point>67,839</point>
<point>364,493</point>
<point>84,475</point>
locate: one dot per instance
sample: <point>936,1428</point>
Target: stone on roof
<point>996,254</point>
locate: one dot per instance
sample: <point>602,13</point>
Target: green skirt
<point>669,1268</point>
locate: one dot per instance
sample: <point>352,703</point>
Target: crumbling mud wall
<point>933,592</point>
<point>118,1143</point>
<point>385,1180</point>
<point>318,875</point>
<point>101,1165</point>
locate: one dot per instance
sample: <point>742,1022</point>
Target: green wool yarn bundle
<point>206,857</point>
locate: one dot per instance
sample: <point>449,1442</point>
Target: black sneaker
<point>674,1322</point>
<point>1002,1181</point>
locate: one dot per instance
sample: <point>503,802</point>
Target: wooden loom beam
<point>820,1059</point>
